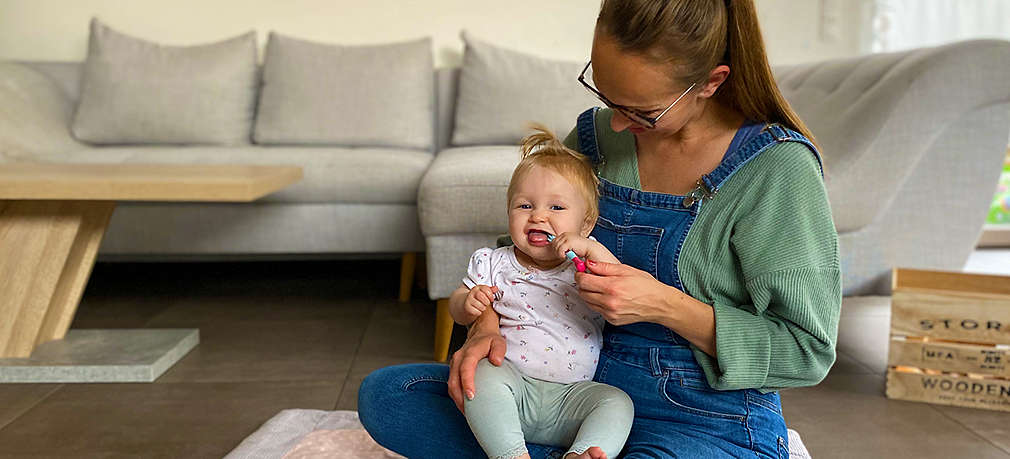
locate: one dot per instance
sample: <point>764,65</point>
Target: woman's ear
<point>716,78</point>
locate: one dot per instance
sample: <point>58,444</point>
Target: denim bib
<point>646,230</point>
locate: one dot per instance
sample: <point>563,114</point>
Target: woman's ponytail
<point>751,87</point>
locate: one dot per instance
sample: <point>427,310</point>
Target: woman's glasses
<point>648,122</point>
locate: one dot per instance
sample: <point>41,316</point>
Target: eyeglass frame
<point>634,115</point>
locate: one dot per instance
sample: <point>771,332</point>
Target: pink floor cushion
<point>312,434</point>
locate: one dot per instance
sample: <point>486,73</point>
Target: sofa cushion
<point>500,91</point>
<point>135,91</point>
<point>331,174</point>
<point>322,94</point>
<point>464,190</point>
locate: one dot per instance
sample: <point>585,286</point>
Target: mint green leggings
<point>510,409</point>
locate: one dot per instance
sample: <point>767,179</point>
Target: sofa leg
<point>407,263</point>
<point>443,330</point>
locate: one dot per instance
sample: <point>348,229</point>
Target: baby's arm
<point>467,304</point>
<point>585,248</point>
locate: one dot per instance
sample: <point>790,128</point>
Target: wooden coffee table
<point>53,217</point>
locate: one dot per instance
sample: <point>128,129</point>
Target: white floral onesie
<point>549,331</point>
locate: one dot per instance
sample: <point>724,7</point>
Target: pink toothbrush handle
<point>580,265</point>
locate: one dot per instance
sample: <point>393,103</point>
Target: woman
<point>712,198</point>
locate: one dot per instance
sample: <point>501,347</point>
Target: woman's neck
<point>673,163</point>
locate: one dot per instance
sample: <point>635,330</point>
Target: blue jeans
<point>407,409</point>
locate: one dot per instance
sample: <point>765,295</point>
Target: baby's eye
<point>524,206</point>
<point>557,207</point>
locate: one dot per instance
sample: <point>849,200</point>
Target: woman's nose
<point>619,122</point>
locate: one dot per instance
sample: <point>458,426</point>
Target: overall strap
<point>771,135</point>
<point>586,130</point>
<point>784,134</point>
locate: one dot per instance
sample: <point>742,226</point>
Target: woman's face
<point>633,81</point>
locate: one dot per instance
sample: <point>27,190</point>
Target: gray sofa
<point>912,142</point>
<point>912,145</point>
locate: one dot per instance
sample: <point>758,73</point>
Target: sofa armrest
<point>35,115</point>
<point>912,143</point>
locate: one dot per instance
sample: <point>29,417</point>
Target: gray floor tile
<point>16,399</point>
<point>993,425</point>
<point>846,364</point>
<point>848,416</point>
<point>201,311</point>
<point>121,311</point>
<point>402,330</point>
<point>290,350</point>
<point>363,365</point>
<point>155,420</point>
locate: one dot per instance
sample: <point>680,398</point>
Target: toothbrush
<point>580,265</point>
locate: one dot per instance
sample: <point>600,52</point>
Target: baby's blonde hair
<point>542,148</point>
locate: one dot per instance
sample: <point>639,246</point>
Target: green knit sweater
<point>764,254</point>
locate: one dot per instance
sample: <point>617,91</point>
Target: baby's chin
<point>545,261</point>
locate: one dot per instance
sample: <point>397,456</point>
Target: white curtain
<point>905,24</point>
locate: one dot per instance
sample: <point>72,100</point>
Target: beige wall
<point>57,29</point>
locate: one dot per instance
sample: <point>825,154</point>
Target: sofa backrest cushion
<point>500,91</point>
<point>324,94</point>
<point>137,92</point>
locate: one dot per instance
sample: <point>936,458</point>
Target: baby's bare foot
<point>592,453</point>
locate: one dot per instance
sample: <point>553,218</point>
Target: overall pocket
<point>634,245</point>
<point>688,391</point>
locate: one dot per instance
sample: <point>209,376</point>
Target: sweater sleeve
<point>787,248</point>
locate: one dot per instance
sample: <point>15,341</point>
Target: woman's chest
<point>676,175</point>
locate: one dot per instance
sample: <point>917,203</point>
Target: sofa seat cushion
<point>464,190</point>
<point>331,175</point>
<point>864,331</point>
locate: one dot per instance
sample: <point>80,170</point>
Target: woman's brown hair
<point>697,35</point>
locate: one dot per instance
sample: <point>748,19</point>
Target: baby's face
<point>545,202</point>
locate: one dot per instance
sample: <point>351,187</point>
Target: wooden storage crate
<point>905,383</point>
<point>990,359</point>
<point>950,339</point>
<point>970,308</point>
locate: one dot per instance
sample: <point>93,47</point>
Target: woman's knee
<point>380,390</point>
<point>378,385</point>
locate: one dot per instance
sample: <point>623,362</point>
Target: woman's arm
<point>783,332</point>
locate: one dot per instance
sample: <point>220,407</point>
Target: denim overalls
<point>677,413</point>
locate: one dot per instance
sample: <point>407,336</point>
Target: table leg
<point>47,250</point>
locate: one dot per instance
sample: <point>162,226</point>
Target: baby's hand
<point>574,242</point>
<point>479,299</point>
<point>585,248</point>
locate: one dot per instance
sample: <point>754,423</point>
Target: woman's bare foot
<point>592,453</point>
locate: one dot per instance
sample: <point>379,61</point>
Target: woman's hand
<point>625,295</point>
<point>484,340</point>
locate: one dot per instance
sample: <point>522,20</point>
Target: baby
<point>543,392</point>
